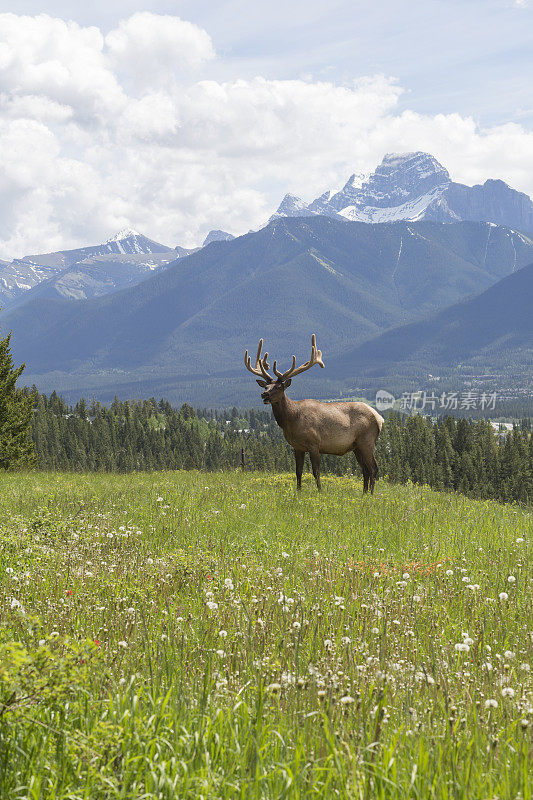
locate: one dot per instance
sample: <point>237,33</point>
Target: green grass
<point>187,635</point>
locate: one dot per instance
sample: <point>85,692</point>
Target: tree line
<point>463,455</point>
<point>467,456</point>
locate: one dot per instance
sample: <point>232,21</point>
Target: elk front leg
<point>300,458</point>
<point>315,464</point>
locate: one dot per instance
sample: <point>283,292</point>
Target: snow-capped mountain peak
<point>291,206</point>
<point>125,233</point>
<point>349,192</point>
<point>402,177</point>
<point>129,241</point>
<point>217,236</point>
<point>415,186</point>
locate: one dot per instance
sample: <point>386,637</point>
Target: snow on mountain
<point>291,206</point>
<point>129,241</point>
<point>411,210</point>
<point>125,248</point>
<point>125,233</point>
<point>347,195</point>
<point>218,236</point>
<point>415,186</point>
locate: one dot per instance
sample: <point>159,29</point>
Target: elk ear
<point>287,383</point>
<point>262,384</point>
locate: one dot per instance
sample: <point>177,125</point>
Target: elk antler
<point>316,358</point>
<point>261,365</point>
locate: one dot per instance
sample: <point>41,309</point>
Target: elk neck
<point>283,409</point>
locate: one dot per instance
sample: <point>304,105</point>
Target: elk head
<point>275,387</point>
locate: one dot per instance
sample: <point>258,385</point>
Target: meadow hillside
<point>191,635</point>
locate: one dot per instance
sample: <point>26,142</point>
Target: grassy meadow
<point>188,635</point>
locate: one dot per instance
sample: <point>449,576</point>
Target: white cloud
<point>98,133</point>
<point>59,62</point>
<point>154,48</point>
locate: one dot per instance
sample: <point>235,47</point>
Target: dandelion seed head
<point>347,700</point>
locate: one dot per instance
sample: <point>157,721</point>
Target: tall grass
<point>188,635</point>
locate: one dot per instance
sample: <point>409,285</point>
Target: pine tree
<point>16,410</point>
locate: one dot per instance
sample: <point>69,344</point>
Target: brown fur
<point>313,427</point>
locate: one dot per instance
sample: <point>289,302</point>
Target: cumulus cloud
<point>97,133</point>
<point>154,48</point>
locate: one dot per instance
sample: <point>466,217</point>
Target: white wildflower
<point>347,700</point>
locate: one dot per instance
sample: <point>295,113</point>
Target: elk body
<point>310,426</point>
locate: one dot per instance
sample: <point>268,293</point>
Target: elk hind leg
<point>371,465</point>
<point>364,469</point>
<point>315,464</point>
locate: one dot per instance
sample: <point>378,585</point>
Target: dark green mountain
<point>346,281</point>
<point>492,332</point>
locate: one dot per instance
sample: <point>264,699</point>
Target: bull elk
<point>313,427</point>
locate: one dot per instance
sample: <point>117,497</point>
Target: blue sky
<point>175,118</point>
